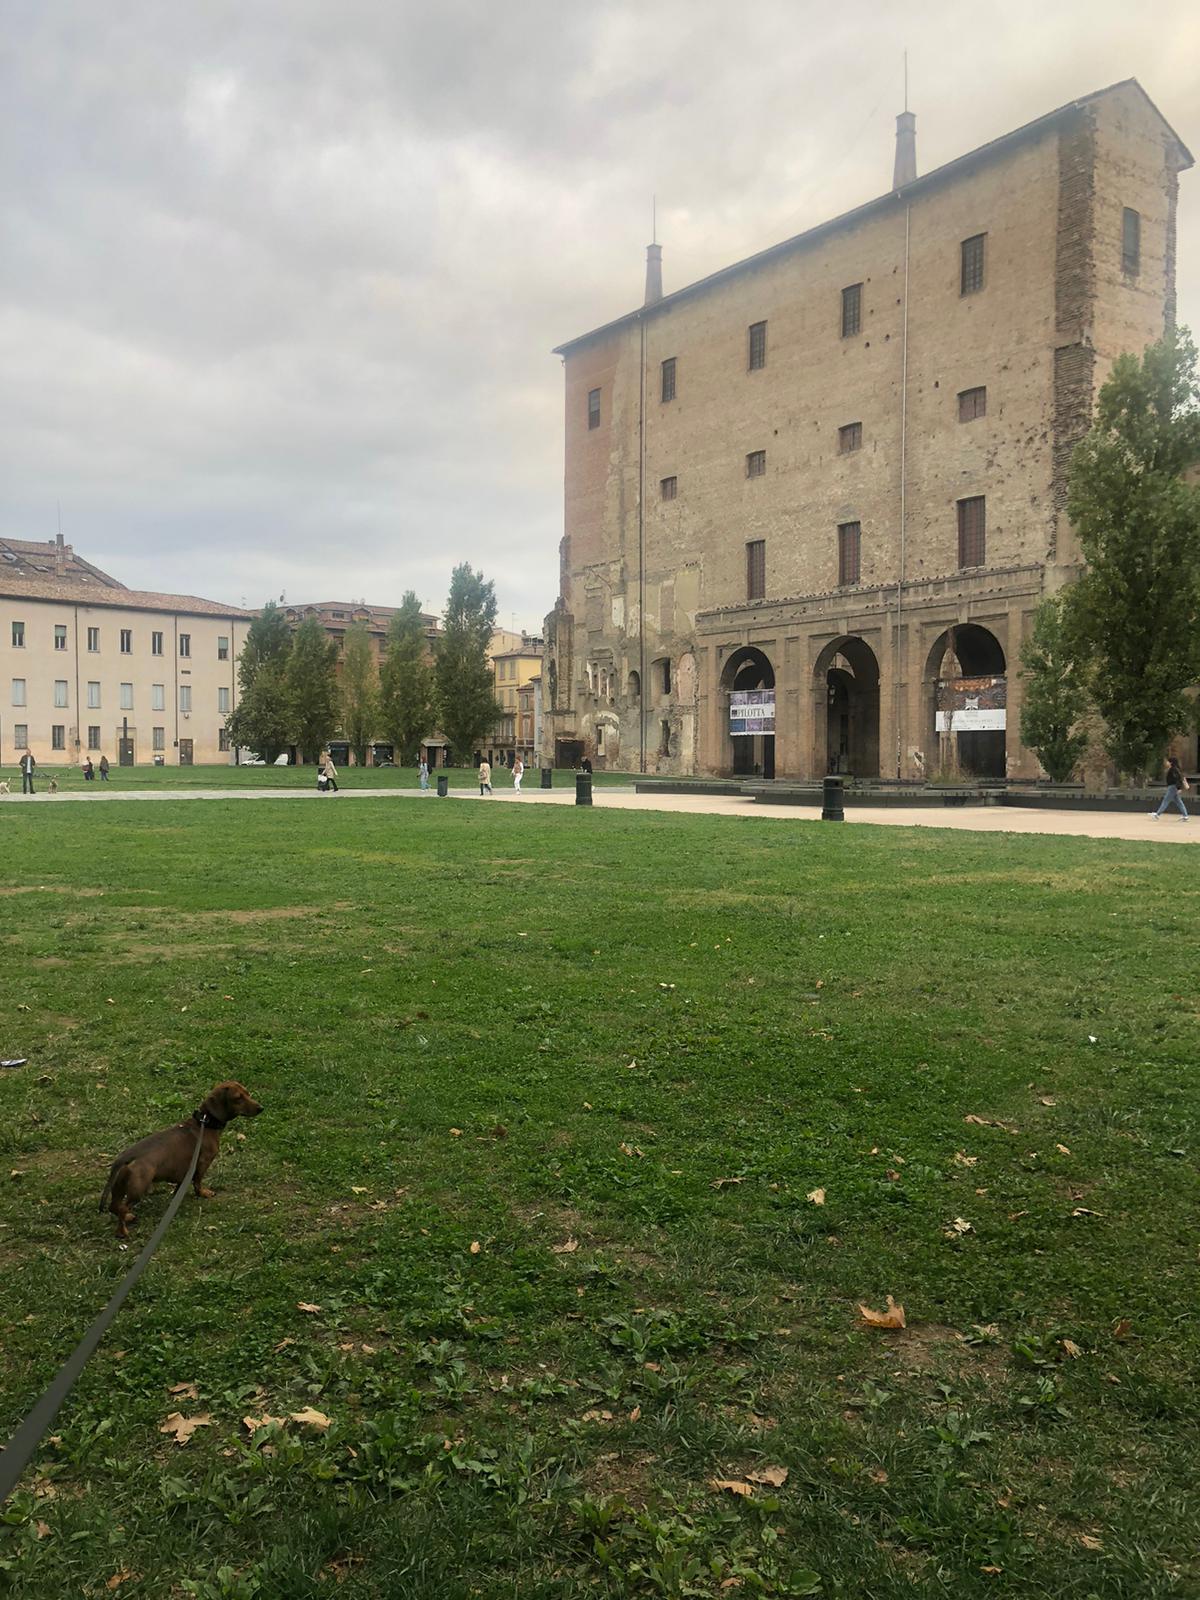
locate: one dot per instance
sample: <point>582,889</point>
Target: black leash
<point>19,1450</point>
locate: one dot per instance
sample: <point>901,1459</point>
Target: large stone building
<point>813,499</point>
<point>89,667</point>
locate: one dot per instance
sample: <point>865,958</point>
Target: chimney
<point>906,150</point>
<point>653,273</point>
<point>60,558</point>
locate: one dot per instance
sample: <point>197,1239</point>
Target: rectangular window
<point>851,310</point>
<point>60,636</point>
<point>223,701</point>
<point>758,345</point>
<point>664,738</point>
<point>222,648</point>
<point>185,697</point>
<point>60,694</point>
<point>756,569</point>
<point>1131,242</point>
<point>972,403</point>
<point>158,738</point>
<point>849,552</point>
<point>600,739</point>
<point>94,640</point>
<point>158,698</point>
<point>971,280</point>
<point>668,379</point>
<point>849,438</point>
<point>593,408</point>
<point>58,737</point>
<point>670,488</point>
<point>756,463</point>
<point>222,738</point>
<point>18,691</point>
<point>185,644</point>
<point>126,697</point>
<point>126,641</point>
<point>93,736</point>
<point>156,648</point>
<point>666,675</point>
<point>18,636</point>
<point>93,697</point>
<point>21,735</point>
<point>972,531</point>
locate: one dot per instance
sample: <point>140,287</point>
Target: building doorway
<point>966,694</point>
<point>846,682</point>
<point>125,750</point>
<point>747,705</point>
<point>568,752</point>
<point>185,753</point>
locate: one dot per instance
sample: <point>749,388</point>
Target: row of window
<point>126,641</point>
<point>58,737</point>
<point>972,548</point>
<point>158,694</point>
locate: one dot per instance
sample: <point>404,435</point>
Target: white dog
<point>3,788</point>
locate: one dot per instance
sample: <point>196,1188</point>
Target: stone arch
<point>966,682</point>
<point>748,755</point>
<point>846,708</point>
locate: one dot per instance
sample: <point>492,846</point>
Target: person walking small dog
<point>1172,797</point>
<point>28,767</point>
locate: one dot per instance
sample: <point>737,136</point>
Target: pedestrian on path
<point>330,771</point>
<point>518,773</point>
<point>89,771</point>
<point>103,769</point>
<point>423,773</point>
<point>485,777</point>
<point>28,767</point>
<point>1175,782</point>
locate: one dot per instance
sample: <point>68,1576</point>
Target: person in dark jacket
<point>103,769</point>
<point>28,767</point>
<point>1172,797</point>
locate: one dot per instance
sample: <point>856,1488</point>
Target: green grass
<point>654,1036</point>
<point>70,779</point>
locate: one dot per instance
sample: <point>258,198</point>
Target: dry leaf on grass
<point>358,1188</point>
<point>1090,1542</point>
<point>183,1427</point>
<point>959,1226</point>
<point>118,1578</point>
<point>187,1390</point>
<point>310,1418</point>
<point>1062,1149</point>
<point>283,1344</point>
<point>596,1416</point>
<point>816,1196</point>
<point>42,1529</point>
<point>991,1122</point>
<point>635,1413</point>
<point>567,1248</point>
<point>773,1477</point>
<point>879,1475</point>
<point>1048,1100</point>
<point>1122,1328</point>
<point>724,1183</point>
<point>307,1305</point>
<point>253,1424</point>
<point>893,1317</point>
<point>732,1486</point>
<point>456,1133</point>
<point>1072,1349</point>
<point>961,1159</point>
<point>475,1247</point>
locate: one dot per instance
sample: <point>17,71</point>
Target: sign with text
<point>751,711</point>
<point>972,705</point>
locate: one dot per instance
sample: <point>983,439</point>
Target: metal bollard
<point>443,785</point>
<point>831,810</point>
<point>583,788</point>
<point>547,776</point>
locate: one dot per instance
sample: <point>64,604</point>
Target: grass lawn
<point>70,779</point>
<point>531,1213</point>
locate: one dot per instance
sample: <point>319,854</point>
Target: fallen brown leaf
<point>567,1248</point>
<point>879,1475</point>
<point>42,1529</point>
<point>310,1418</point>
<point>817,1196</point>
<point>118,1578</point>
<point>731,1486</point>
<point>635,1413</point>
<point>456,1133</point>
<point>1062,1149</point>
<point>475,1247</point>
<point>893,1317</point>
<point>1072,1349</point>
<point>1090,1542</point>
<point>596,1416</point>
<point>183,1427</point>
<point>773,1477</point>
<point>283,1344</point>
<point>961,1159</point>
<point>1048,1100</point>
<point>253,1424</point>
<point>1122,1328</point>
<point>187,1390</point>
<point>724,1183</point>
<point>960,1225</point>
<point>306,1305</point>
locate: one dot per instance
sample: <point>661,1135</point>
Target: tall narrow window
<point>664,738</point>
<point>593,408</point>
<point>851,310</point>
<point>223,648</point>
<point>222,738</point>
<point>185,697</point>
<point>60,636</point>
<point>93,697</point>
<point>972,531</point>
<point>849,552</point>
<point>756,464</point>
<point>21,735</point>
<point>158,738</point>
<point>185,644</point>
<point>60,693</point>
<point>849,438</point>
<point>156,648</point>
<point>93,736</point>
<point>93,640</point>
<point>58,737</point>
<point>1131,242</point>
<point>18,691</point>
<point>670,488</point>
<point>158,697</point>
<point>756,569</point>
<point>18,636</point>
<point>126,697</point>
<point>223,701</point>
<point>972,403</point>
<point>126,641</point>
<point>971,276</point>
<point>668,378</point>
<point>758,345</point>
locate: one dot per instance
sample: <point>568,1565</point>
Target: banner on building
<point>972,705</point>
<point>751,711</point>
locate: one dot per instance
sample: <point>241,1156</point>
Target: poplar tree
<point>262,719</point>
<point>311,682</point>
<point>406,683</point>
<point>466,702</point>
<point>1055,697</point>
<point>360,691</point>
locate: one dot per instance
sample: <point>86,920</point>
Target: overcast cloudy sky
<point>279,281</point>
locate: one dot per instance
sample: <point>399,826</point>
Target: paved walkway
<point>970,819</point>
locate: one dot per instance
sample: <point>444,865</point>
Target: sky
<point>280,282</point>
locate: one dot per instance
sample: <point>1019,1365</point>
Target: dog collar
<point>206,1119</point>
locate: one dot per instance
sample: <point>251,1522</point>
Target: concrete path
<point>970,819</point>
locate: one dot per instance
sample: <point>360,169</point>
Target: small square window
<point>93,736</point>
<point>756,464</point>
<point>851,310</point>
<point>593,408</point>
<point>60,636</point>
<point>849,553</point>
<point>126,697</point>
<point>18,636</point>
<point>60,694</point>
<point>972,531</point>
<point>849,438</point>
<point>222,648</point>
<point>156,644</point>
<point>971,280</point>
<point>58,737</point>
<point>185,644</point>
<point>670,488</point>
<point>126,641</point>
<point>758,345</point>
<point>756,569</point>
<point>668,379</point>
<point>1131,243</point>
<point>93,640</point>
<point>972,403</point>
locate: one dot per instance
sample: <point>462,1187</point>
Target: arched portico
<point>846,708</point>
<point>747,754</point>
<point>966,701</point>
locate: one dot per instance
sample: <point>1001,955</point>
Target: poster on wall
<point>751,711</point>
<point>972,705</point>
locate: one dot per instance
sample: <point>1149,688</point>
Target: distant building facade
<point>516,661</point>
<point>812,501</point>
<point>89,667</point>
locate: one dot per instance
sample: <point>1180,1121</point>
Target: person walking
<point>1175,782</point>
<point>485,777</point>
<point>103,769</point>
<point>28,767</point>
<point>89,771</point>
<point>518,772</point>
<point>330,771</point>
<point>423,774</point>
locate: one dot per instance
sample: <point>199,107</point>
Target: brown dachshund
<point>165,1157</point>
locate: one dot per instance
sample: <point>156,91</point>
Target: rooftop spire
<point>905,170</point>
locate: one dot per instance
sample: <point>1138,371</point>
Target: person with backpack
<point>1172,797</point>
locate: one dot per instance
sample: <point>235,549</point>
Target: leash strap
<point>20,1448</point>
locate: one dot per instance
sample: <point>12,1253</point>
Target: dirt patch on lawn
<point>47,961</point>
<point>932,1347</point>
<point>52,888</point>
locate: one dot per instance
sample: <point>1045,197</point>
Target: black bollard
<point>443,785</point>
<point>831,810</point>
<point>583,788</point>
<point>547,775</point>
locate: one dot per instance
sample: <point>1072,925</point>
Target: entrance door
<point>185,752</point>
<point>125,752</point>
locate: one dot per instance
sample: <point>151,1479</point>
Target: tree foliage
<point>1138,601</point>
<point>1055,701</point>
<point>262,718</point>
<point>360,691</point>
<point>312,688</point>
<point>466,701</point>
<point>268,643</point>
<point>406,688</point>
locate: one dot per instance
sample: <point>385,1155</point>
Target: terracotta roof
<point>78,591</point>
<point>950,169</point>
<point>34,558</point>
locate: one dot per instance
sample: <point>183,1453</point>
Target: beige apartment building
<point>89,667</point>
<point>812,501</point>
<point>516,661</point>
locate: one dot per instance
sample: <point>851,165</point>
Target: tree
<point>360,691</point>
<point>1055,690</point>
<point>406,685</point>
<point>1139,528</point>
<point>466,702</point>
<point>262,720</point>
<point>312,688</point>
